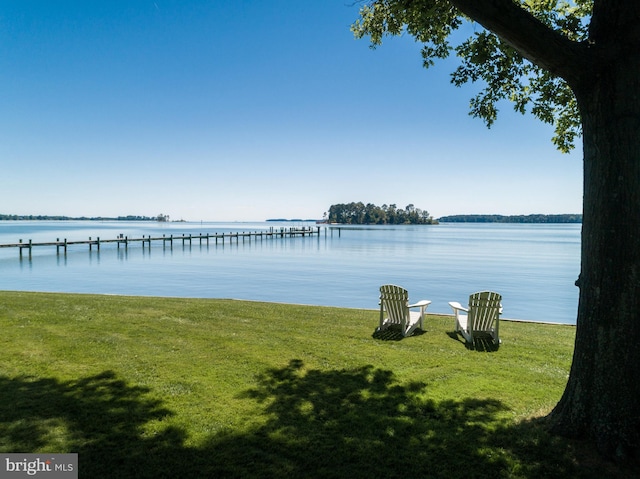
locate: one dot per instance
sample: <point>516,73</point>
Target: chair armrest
<point>455,305</point>
<point>420,304</point>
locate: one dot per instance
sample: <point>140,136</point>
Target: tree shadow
<point>317,424</point>
<point>99,417</point>
<point>363,423</point>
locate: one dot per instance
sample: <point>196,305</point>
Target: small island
<point>370,214</point>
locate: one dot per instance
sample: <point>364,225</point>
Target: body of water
<point>533,266</point>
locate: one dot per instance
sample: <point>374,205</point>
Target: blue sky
<point>232,110</point>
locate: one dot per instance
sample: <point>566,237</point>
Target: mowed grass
<point>164,387</point>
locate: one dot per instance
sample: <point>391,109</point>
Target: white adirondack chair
<point>482,318</point>
<point>396,310</point>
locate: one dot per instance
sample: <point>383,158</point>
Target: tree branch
<point>535,41</point>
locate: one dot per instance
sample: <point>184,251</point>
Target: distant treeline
<point>81,218</point>
<point>511,219</point>
<point>370,214</point>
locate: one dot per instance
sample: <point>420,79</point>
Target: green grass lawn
<point>199,388</point>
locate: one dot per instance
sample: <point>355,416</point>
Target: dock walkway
<point>124,241</point>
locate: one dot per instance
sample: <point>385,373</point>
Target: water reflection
<point>533,266</point>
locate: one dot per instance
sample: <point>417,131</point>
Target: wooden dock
<point>125,241</point>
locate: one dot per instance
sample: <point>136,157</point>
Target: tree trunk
<point>602,397</point>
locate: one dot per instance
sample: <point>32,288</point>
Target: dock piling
<point>148,239</point>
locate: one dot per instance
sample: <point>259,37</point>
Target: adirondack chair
<point>394,301</point>
<point>482,318</point>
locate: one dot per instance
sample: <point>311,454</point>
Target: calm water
<point>534,267</point>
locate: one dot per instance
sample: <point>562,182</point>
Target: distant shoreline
<point>83,218</point>
<point>564,218</point>
<point>534,218</point>
<point>74,218</point>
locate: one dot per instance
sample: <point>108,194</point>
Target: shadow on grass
<point>394,333</point>
<point>481,344</point>
<point>338,423</point>
<point>100,417</point>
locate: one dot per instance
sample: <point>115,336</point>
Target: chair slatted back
<point>484,310</point>
<point>395,301</point>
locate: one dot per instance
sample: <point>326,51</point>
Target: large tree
<point>575,64</point>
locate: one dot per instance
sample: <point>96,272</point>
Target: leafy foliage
<point>359,214</point>
<point>484,57</point>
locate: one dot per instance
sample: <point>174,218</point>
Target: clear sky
<point>225,110</point>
